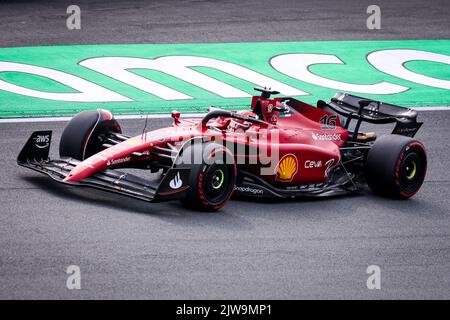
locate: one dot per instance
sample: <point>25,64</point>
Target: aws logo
<point>287,168</point>
<point>42,141</point>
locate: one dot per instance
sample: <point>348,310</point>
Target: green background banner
<point>255,56</point>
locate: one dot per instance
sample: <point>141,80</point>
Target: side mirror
<point>176,117</point>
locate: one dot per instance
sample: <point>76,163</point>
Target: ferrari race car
<point>279,148</point>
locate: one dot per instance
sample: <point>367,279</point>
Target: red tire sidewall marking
<point>414,144</point>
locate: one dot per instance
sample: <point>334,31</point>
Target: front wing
<point>35,156</point>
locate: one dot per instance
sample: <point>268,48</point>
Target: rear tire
<point>211,181</point>
<point>396,166</point>
<point>82,136</point>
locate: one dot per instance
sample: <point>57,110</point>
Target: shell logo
<point>287,168</point>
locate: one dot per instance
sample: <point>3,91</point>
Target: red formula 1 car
<point>279,148</point>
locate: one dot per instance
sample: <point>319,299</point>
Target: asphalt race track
<point>256,250</point>
<point>194,21</point>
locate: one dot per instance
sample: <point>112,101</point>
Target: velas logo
<point>329,166</point>
<point>62,80</point>
<point>287,168</point>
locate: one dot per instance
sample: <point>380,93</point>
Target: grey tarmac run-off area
<point>250,249</point>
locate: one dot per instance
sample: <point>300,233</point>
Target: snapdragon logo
<point>248,190</point>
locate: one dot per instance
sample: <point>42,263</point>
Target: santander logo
<point>118,161</point>
<point>326,137</point>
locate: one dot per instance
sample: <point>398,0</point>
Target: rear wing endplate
<point>372,111</point>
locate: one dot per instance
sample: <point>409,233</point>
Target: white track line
<point>118,117</point>
<point>157,116</point>
<point>431,108</point>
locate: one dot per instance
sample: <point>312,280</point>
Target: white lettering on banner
<point>296,66</point>
<point>179,67</point>
<point>87,91</point>
<point>393,62</point>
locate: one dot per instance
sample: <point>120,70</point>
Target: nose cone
<point>73,177</point>
<point>84,169</point>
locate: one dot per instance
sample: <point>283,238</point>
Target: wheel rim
<point>218,178</point>
<point>411,172</point>
<point>216,183</point>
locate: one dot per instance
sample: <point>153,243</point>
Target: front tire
<point>81,137</point>
<point>396,166</point>
<point>211,181</point>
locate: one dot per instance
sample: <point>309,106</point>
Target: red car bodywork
<point>278,148</point>
<point>306,145</point>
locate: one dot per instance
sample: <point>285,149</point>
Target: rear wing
<point>372,111</point>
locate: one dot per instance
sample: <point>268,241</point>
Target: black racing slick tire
<point>396,166</point>
<point>212,178</point>
<point>81,137</point>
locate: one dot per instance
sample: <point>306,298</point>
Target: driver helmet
<point>242,125</point>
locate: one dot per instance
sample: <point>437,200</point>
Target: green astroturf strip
<point>254,56</point>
